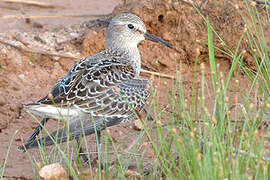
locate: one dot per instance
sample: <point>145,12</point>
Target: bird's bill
<point>153,38</point>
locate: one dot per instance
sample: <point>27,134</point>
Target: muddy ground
<point>30,62</point>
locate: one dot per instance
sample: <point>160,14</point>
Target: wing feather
<point>101,85</point>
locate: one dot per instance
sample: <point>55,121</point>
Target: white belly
<point>51,111</point>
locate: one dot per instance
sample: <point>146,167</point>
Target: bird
<point>99,91</point>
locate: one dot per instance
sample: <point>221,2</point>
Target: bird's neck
<point>131,51</point>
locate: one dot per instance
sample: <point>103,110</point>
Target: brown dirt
<point>27,77</point>
<point>60,7</point>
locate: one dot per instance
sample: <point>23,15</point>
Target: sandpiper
<point>99,91</point>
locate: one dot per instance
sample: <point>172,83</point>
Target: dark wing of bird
<point>89,82</point>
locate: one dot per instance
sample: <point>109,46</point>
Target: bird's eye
<point>130,26</point>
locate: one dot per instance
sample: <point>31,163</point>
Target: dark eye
<point>130,26</point>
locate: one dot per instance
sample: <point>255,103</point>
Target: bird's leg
<point>37,130</point>
<point>34,135</point>
<point>98,141</point>
<point>82,154</point>
<point>146,112</point>
<point>99,148</point>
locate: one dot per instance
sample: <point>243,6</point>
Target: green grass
<point>202,137</point>
<point>3,165</point>
<point>257,44</point>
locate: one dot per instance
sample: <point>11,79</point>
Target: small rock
<point>21,76</point>
<point>2,126</point>
<point>37,25</point>
<point>132,174</point>
<point>2,101</point>
<point>166,36</point>
<point>138,125</point>
<point>56,58</point>
<point>53,172</point>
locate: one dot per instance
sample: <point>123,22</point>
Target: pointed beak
<point>153,38</point>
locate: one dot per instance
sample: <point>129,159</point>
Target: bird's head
<point>127,29</point>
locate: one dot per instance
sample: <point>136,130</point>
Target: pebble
<point>138,125</point>
<point>53,172</point>
<point>21,76</point>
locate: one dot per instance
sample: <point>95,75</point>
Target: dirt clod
<point>53,172</point>
<point>132,174</point>
<point>138,125</point>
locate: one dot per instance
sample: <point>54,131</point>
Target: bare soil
<point>28,76</point>
<point>60,7</point>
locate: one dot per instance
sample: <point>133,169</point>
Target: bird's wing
<point>93,86</point>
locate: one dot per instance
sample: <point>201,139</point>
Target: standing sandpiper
<point>99,91</point>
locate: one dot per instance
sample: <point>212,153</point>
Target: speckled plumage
<point>99,91</point>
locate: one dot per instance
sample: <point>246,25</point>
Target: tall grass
<point>3,166</point>
<point>258,47</point>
